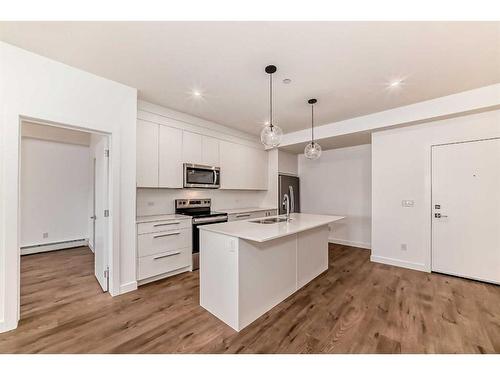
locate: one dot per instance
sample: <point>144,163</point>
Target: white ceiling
<point>346,65</point>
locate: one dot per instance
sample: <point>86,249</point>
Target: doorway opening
<point>64,215</point>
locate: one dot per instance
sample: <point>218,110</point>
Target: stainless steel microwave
<point>201,176</point>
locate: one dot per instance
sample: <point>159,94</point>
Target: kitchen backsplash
<point>161,201</point>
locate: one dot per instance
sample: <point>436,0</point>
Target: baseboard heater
<point>33,249</point>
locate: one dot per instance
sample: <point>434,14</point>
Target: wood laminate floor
<point>355,307</point>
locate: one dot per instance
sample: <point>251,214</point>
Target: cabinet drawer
<point>250,215</point>
<point>160,226</point>
<point>160,242</point>
<point>164,262</point>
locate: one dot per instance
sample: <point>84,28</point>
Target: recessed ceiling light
<point>197,93</point>
<point>395,83</point>
<point>286,81</point>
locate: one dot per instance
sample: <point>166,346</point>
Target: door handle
<point>247,215</point>
<point>292,199</point>
<point>93,217</point>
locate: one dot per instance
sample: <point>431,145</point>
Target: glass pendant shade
<point>312,151</point>
<point>270,136</point>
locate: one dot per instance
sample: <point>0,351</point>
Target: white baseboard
<point>362,245</point>
<point>128,287</point>
<point>399,263</point>
<point>26,250</point>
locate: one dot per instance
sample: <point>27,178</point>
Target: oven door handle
<point>217,219</point>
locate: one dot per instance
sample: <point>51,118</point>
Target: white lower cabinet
<point>164,248</point>
<point>163,263</point>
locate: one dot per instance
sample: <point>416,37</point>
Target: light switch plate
<point>407,203</point>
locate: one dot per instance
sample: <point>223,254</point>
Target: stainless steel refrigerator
<point>288,185</point>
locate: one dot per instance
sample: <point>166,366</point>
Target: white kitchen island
<point>246,268</point>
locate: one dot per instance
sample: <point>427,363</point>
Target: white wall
<point>35,87</point>
<point>55,184</point>
<point>401,170</point>
<point>339,183</point>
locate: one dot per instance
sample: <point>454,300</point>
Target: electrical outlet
<point>404,247</point>
<point>45,235</point>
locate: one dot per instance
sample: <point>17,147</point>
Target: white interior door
<point>466,209</point>
<point>101,221</point>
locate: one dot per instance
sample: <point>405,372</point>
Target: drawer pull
<point>166,255</point>
<point>246,215</point>
<point>167,234</point>
<point>163,224</point>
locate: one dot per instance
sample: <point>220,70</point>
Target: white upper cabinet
<point>147,154</point>
<point>170,157</point>
<point>210,151</point>
<point>242,167</point>
<point>191,148</point>
<point>162,150</point>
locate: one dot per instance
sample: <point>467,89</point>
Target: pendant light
<point>313,149</point>
<point>271,135</point>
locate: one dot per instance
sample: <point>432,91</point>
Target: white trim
<point>128,287</point>
<point>400,263</point>
<point>472,101</point>
<point>42,248</point>
<point>362,245</point>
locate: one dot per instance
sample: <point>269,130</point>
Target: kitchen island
<point>247,267</point>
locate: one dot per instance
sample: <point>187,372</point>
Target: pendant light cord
<point>271,101</point>
<point>312,123</point>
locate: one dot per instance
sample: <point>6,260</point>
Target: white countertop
<point>243,210</point>
<point>247,230</point>
<point>152,218</point>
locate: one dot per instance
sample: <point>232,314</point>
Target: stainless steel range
<point>200,210</point>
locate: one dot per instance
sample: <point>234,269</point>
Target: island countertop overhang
<point>248,230</point>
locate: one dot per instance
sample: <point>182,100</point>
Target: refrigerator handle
<point>292,199</point>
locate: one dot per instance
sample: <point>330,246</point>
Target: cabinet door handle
<point>167,234</point>
<point>166,255</point>
<point>163,224</point>
<point>238,216</point>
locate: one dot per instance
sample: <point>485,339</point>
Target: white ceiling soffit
<point>357,130</point>
<point>346,65</point>
<point>346,140</point>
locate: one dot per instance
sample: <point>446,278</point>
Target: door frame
<point>429,264</point>
<point>113,259</point>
